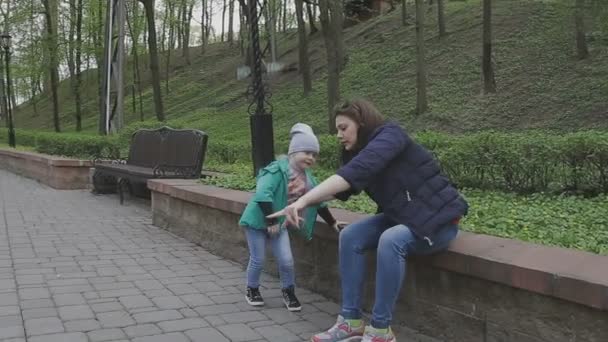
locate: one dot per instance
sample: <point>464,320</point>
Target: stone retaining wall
<point>56,172</point>
<point>483,289</point>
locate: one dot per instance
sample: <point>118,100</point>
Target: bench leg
<point>122,184</point>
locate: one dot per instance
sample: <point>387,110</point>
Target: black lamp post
<point>260,117</point>
<point>5,43</point>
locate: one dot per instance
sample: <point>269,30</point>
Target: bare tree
<point>154,64</point>
<point>188,7</point>
<point>6,15</point>
<point>441,18</point>
<point>231,22</point>
<point>303,48</point>
<point>74,56</point>
<point>579,23</point>
<point>204,29</point>
<point>404,13</point>
<point>311,17</point>
<point>52,51</point>
<point>136,72</point>
<point>421,75</point>
<point>331,22</point>
<point>223,20</point>
<point>487,67</point>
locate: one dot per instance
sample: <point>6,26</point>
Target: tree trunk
<point>223,20</point>
<point>154,65</point>
<point>303,48</point>
<point>74,56</point>
<point>98,42</point>
<point>34,73</point>
<point>136,71</point>
<point>404,13</point>
<point>52,48</point>
<point>187,18</point>
<point>170,45</point>
<point>244,33</point>
<point>336,9</point>
<point>283,10</point>
<point>421,77</point>
<point>231,22</point>
<point>311,19</point>
<point>9,81</point>
<point>135,30</point>
<point>163,32</point>
<point>579,23</point>
<point>271,24</point>
<point>178,25</point>
<point>489,83</point>
<point>78,82</point>
<point>441,17</point>
<point>203,26</point>
<point>333,68</point>
<point>3,103</point>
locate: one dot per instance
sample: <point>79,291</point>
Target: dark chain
<point>260,104</point>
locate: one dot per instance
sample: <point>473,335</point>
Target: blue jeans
<point>393,244</point>
<point>281,249</point>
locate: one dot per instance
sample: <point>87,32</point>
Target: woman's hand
<point>291,213</point>
<point>339,225</point>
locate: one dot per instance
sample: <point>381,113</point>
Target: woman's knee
<point>396,239</point>
<point>348,237</point>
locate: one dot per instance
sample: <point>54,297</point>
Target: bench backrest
<point>166,147</point>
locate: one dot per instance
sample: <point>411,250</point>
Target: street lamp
<point>260,118</point>
<point>5,43</point>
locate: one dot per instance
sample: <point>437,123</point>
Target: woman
<point>418,213</point>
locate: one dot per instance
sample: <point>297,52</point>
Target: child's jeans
<point>281,249</point>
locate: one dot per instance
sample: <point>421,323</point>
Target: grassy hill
<point>540,82</point>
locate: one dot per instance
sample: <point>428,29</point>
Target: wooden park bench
<point>159,153</point>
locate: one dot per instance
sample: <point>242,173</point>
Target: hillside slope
<point>540,82</point>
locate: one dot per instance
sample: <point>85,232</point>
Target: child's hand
<point>274,229</point>
<point>339,225</point>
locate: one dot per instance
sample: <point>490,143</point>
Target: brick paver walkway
<point>79,267</point>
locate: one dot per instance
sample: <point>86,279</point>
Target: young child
<point>278,185</point>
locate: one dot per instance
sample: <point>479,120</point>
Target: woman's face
<point>347,131</point>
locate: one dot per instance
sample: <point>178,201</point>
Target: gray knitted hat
<point>303,139</point>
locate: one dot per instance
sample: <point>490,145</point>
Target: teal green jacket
<point>271,186</point>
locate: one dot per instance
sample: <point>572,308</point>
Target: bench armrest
<point>184,171</point>
<point>109,161</point>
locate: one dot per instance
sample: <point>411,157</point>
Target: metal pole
<point>11,128</point>
<point>260,120</point>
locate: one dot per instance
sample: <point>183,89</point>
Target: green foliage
<point>527,162</point>
<point>565,221</point>
<point>66,144</point>
<point>522,163</point>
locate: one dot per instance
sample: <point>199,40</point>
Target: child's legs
<point>256,240</point>
<point>281,249</point>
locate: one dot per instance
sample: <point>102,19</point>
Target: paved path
<point>79,267</point>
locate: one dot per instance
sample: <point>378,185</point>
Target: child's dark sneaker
<point>254,297</point>
<point>291,301</point>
